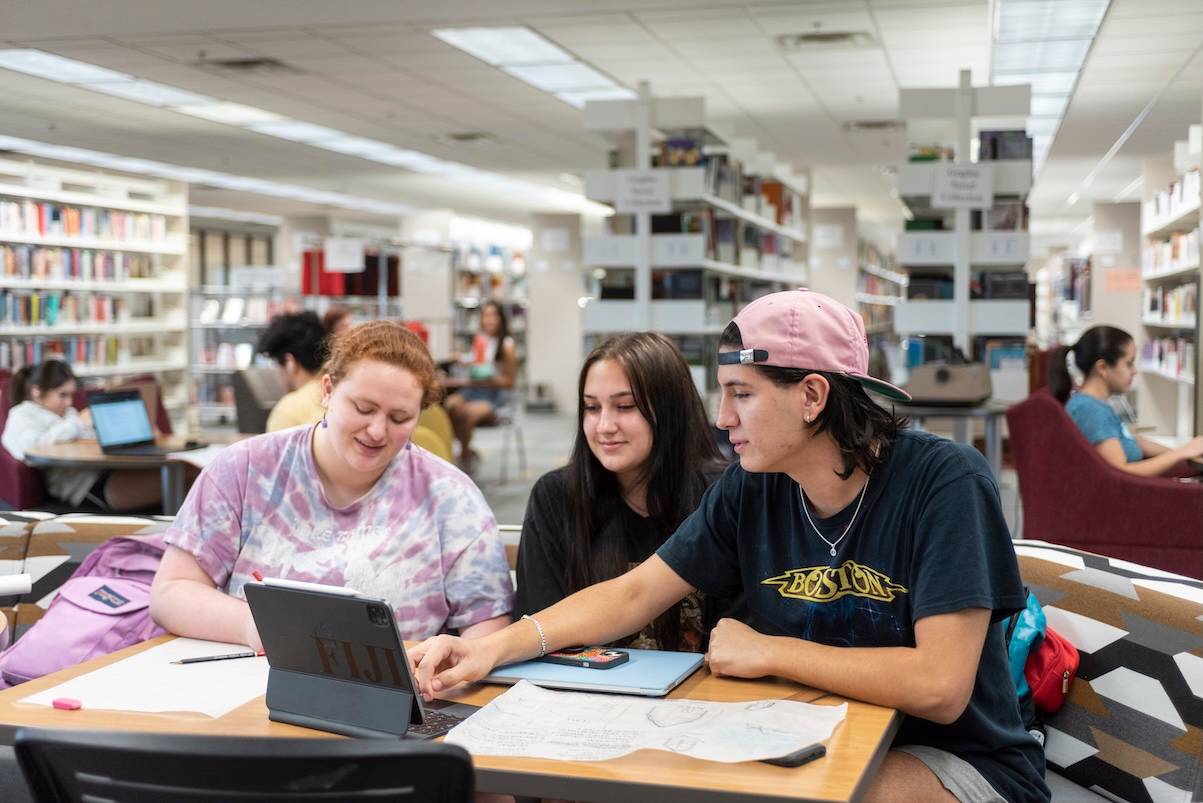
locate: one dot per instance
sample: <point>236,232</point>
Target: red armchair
<point>21,487</point>
<point>1072,496</point>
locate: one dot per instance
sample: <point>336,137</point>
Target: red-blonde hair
<point>387,342</point>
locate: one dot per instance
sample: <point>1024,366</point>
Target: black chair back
<point>76,766</point>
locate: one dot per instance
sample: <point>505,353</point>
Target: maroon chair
<point>21,487</point>
<point>1072,496</point>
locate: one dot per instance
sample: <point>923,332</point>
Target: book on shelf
<point>1001,353</point>
<point>44,219</point>
<point>232,312</point>
<point>998,145</point>
<point>210,311</point>
<point>1005,215</point>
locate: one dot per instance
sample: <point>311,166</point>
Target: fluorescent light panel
<point>529,57</point>
<point>1044,43</point>
<point>77,73</point>
<point>198,176</point>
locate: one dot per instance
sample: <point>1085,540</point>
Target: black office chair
<point>74,766</point>
<point>256,391</point>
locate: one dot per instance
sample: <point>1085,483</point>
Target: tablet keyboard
<point>436,724</point>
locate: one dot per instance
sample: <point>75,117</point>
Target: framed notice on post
<point>643,191</point>
<point>963,186</point>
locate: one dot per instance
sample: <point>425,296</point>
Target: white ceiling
<point>371,67</point>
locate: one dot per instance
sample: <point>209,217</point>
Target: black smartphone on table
<point>798,757</point>
<point>588,657</point>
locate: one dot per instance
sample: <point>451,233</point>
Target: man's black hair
<point>299,334</point>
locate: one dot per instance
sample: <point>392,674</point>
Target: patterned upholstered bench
<point>50,548</point>
<point>1132,728</point>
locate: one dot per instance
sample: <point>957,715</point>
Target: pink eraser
<point>67,704</point>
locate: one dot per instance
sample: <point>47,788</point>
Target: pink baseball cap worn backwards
<point>806,330</point>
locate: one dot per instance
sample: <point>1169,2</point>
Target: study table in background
<point>87,454</point>
<point>853,753</point>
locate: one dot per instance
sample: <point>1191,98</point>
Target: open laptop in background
<point>122,424</point>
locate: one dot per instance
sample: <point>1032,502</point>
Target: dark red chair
<point>1072,496</point>
<point>21,487</point>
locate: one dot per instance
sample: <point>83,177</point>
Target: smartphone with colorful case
<point>588,657</point>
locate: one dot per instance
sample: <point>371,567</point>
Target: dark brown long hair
<point>683,458</point>
<point>44,376</point>
<point>1106,343</point>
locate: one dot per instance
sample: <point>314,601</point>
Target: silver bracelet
<point>542,638</point>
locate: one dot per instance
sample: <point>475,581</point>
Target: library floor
<point>548,441</point>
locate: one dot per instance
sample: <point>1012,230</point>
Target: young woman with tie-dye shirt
<point>349,501</point>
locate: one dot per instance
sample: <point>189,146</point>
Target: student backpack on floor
<point>103,607</point>
<point>1043,664</point>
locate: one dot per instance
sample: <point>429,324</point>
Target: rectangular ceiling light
<point>229,113</point>
<point>151,93</point>
<point>57,68</point>
<point>1043,43</point>
<point>529,57</point>
<point>505,46</point>
<point>88,76</point>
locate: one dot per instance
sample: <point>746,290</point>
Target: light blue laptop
<point>650,673</point>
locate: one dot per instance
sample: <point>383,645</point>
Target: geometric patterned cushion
<point>14,542</point>
<point>58,546</point>
<point>1132,726</point>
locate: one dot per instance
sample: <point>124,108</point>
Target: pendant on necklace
<point>833,552</point>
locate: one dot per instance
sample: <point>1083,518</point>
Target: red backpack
<point>1050,669</point>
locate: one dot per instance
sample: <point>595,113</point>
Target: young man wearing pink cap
<point>874,561</point>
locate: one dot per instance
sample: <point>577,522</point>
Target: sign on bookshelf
<point>344,254</point>
<point>643,191</point>
<point>963,186</point>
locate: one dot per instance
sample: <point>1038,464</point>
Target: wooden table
<point>853,753</point>
<point>87,454</point>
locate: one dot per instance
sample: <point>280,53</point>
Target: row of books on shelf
<point>316,280</point>
<point>1180,251</point>
<point>40,308</point>
<point>727,239</point>
<point>1004,215</point>
<point>985,285</point>
<point>42,218</point>
<point>1001,353</point>
<point>237,310</point>
<point>1173,356</point>
<point>59,264</point>
<point>1175,303</point>
<point>1180,195</point>
<point>495,286</point>
<point>489,259</point>
<point>209,393</point>
<point>91,351</point>
<point>226,355</point>
<point>875,285</point>
<point>992,146</point>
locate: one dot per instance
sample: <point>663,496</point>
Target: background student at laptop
<point>41,413</point>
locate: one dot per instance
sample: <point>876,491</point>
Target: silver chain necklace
<point>835,543</point>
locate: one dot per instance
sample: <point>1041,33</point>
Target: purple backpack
<point>103,607</point>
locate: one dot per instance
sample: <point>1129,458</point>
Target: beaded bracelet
<point>542,638</point>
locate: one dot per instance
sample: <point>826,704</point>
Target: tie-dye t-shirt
<point>423,538</point>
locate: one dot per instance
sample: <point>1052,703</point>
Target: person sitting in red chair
<point>1084,376</point>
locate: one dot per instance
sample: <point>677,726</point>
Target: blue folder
<point>651,673</point>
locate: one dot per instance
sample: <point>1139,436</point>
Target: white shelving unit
<point>880,289</point>
<point>952,113</point>
<point>751,241</point>
<point>93,268</point>
<point>1170,229</point>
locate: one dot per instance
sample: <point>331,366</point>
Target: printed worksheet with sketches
<point>149,681</point>
<point>578,726</point>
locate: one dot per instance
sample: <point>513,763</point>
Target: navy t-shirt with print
<point>930,539</point>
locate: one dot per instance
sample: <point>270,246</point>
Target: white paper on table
<point>533,722</point>
<point>149,681</point>
<point>198,457</point>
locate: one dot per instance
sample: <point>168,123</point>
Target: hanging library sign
<point>963,186</point>
<point>643,191</point>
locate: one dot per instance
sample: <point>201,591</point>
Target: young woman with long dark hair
<point>644,455</point>
<point>1084,376</point>
<point>493,372</point>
